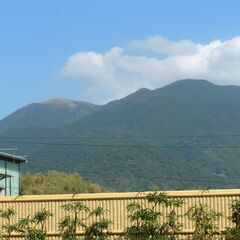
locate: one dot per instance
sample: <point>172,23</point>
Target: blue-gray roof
<point>12,158</point>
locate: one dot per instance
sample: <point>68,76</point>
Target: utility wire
<point>207,179</point>
<point>128,137</point>
<point>120,145</point>
<point>181,179</point>
<point>197,180</point>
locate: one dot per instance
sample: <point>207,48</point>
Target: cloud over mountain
<point>152,63</point>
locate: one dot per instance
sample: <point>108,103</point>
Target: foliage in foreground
<point>34,228</point>
<point>99,229</point>
<point>78,214</point>
<point>204,220</point>
<point>55,182</point>
<point>147,219</point>
<point>234,233</point>
<point>75,219</point>
<point>8,228</point>
<point>148,222</point>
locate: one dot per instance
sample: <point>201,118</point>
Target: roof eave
<point>12,158</point>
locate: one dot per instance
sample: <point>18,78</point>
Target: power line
<point>128,137</point>
<point>120,145</point>
<point>181,179</point>
<point>134,146</point>
<point>178,179</point>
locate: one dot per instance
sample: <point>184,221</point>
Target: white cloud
<point>162,45</point>
<point>117,73</point>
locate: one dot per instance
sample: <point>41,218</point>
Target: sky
<point>98,51</point>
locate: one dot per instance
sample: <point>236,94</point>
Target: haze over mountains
<point>184,135</point>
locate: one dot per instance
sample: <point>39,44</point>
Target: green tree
<point>8,228</point>
<point>70,223</point>
<point>55,182</point>
<point>34,228</point>
<point>234,233</point>
<point>204,221</point>
<point>98,229</point>
<point>148,222</point>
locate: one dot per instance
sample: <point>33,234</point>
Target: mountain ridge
<point>55,113</point>
<point>119,144</point>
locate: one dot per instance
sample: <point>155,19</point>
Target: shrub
<point>8,228</point>
<point>98,229</point>
<point>69,225</point>
<point>34,228</point>
<point>204,220</point>
<point>147,221</point>
<point>234,233</point>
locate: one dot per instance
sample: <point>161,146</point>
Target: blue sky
<point>93,50</point>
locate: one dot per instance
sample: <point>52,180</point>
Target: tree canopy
<point>55,182</point>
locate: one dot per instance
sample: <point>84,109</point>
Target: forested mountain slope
<point>50,114</point>
<point>184,135</point>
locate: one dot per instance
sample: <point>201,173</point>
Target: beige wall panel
<point>116,203</point>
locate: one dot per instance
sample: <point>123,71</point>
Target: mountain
<point>169,138</point>
<point>182,108</point>
<point>53,113</point>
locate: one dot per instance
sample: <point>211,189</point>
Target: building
<point>10,174</point>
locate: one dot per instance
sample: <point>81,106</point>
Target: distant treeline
<point>55,182</point>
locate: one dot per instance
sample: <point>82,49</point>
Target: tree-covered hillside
<point>184,135</point>
<point>53,113</point>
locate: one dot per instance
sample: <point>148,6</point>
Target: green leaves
<point>55,182</point>
<point>8,228</point>
<point>7,214</point>
<point>29,227</point>
<point>153,219</point>
<point>147,221</point>
<point>34,228</point>
<point>35,234</point>
<point>41,217</point>
<point>99,211</point>
<point>134,207</point>
<point>145,215</point>
<point>205,222</point>
<point>24,224</point>
<point>75,207</point>
<point>234,233</point>
<point>68,226</point>
<point>162,198</point>
<point>98,229</point>
<point>236,213</point>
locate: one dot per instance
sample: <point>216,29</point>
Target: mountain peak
<point>192,82</point>
<point>52,113</point>
<point>61,101</point>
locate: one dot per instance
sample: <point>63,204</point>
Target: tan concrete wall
<point>116,203</point>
